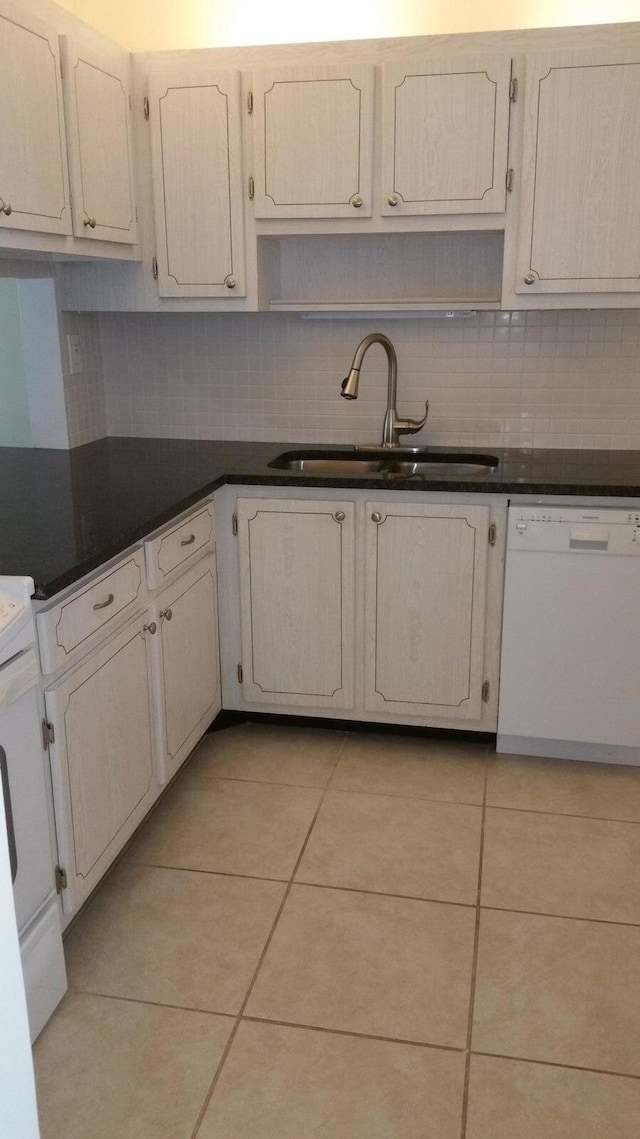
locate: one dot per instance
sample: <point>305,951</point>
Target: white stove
<point>26,807</point>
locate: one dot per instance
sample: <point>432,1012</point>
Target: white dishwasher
<point>570,669</point>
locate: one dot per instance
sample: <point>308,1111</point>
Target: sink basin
<point>402,462</point>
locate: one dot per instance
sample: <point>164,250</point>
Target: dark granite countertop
<point>64,513</point>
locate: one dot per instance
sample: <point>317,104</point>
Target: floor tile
<point>421,768</point>
<point>285,1083</point>
<point>389,967</point>
<point>510,1098</point>
<point>395,846</point>
<point>173,936</point>
<point>596,790</point>
<point>107,1068</point>
<point>268,753</point>
<point>559,990</point>
<point>558,865</point>
<point>228,826</point>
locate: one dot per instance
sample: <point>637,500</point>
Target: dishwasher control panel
<point>580,529</point>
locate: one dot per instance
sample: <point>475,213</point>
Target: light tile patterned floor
<point>359,936</point>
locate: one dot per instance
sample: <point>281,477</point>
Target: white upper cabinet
<point>445,132</point>
<point>313,136</point>
<point>580,207</point>
<point>197,180</point>
<point>97,99</point>
<point>34,188</point>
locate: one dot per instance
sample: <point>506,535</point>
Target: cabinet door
<point>445,132</point>
<point>34,186</point>
<point>297,601</point>
<point>97,99</point>
<point>313,131</point>
<point>102,757</point>
<point>425,597</point>
<point>197,181</point>
<point>580,208</point>
<point>189,663</point>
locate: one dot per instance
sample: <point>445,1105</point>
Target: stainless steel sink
<point>402,462</point>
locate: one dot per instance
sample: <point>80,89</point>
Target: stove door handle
<point>11,833</point>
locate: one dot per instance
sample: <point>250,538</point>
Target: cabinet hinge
<point>252,188</point>
<point>250,102</point>
<point>492,534</point>
<point>48,734</point>
<point>513,89</point>
<point>239,674</point>
<point>145,104</point>
<point>234,523</point>
<point>154,266</point>
<point>486,692</point>
<point>60,879</point>
<point>509,180</point>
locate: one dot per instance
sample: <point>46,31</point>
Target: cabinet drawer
<point>71,625</point>
<point>178,546</point>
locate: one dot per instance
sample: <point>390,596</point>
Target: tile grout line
<point>561,917</point>
<point>562,814</point>
<point>474,966</point>
<point>557,1064</point>
<point>265,949</point>
<point>385,894</point>
<point>353,1034</point>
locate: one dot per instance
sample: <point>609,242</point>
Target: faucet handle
<point>410,426</point>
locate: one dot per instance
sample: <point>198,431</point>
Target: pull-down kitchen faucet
<point>393,426</point>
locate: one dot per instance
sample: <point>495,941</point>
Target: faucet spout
<point>393,425</point>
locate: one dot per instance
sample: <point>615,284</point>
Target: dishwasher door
<point>570,670</point>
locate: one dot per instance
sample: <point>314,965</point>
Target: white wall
<point>15,428</point>
<point>544,379</point>
<point>83,394</point>
<point>154,25</point>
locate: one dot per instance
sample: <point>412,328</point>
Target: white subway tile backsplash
<point>522,379</point>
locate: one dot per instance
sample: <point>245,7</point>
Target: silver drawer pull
<point>104,604</point>
<point>167,614</point>
<point>150,628</point>
<point>188,541</point>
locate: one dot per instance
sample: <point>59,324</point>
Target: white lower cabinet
<point>384,610</point>
<point>297,602</point>
<point>128,713</point>
<point>186,660</point>
<point>102,756</point>
<point>425,606</point>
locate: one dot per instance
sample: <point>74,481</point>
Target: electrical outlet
<point>76,363</point>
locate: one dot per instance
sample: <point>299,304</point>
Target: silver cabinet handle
<point>529,279</point>
<point>356,201</point>
<point>339,516</point>
<point>91,222</point>
<point>166,613</point>
<point>376,517</point>
<point>393,200</point>
<point>230,282</point>
<point>5,207</point>
<point>105,604</point>
<point>188,541</point>
<point>150,628</point>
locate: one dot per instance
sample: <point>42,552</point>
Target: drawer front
<point>179,546</point>
<point>76,622</point>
